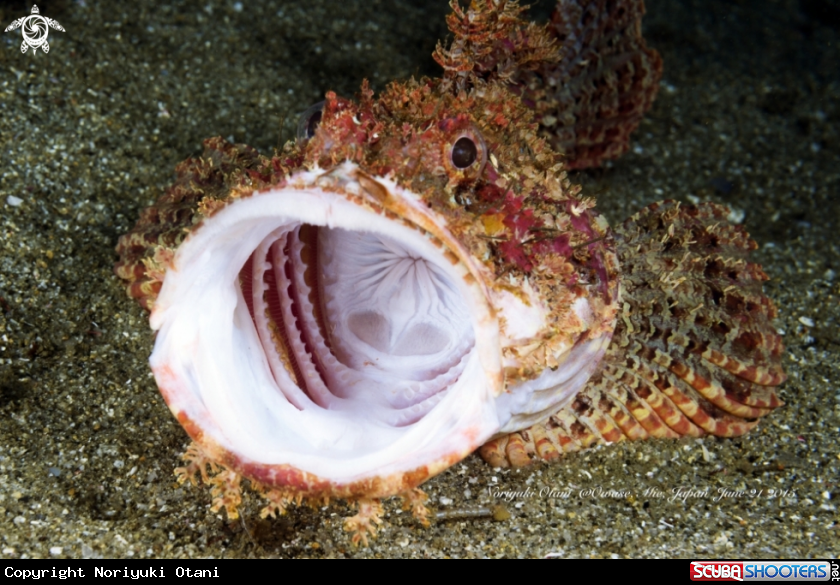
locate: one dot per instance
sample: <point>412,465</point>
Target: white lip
<point>212,369</point>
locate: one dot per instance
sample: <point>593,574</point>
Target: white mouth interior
<point>298,328</point>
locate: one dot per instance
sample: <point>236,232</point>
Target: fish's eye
<point>309,120</point>
<point>464,152</point>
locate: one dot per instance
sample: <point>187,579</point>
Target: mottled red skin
<point>406,134</point>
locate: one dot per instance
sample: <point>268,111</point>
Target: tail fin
<point>607,78</point>
<point>694,351</point>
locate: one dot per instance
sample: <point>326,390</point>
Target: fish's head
<point>411,277</point>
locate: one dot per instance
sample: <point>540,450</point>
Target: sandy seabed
<point>747,115</point>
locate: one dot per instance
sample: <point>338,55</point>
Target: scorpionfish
<point>415,278</point>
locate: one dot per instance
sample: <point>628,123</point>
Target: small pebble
<point>56,551</point>
<point>808,322</point>
<point>14,201</point>
<point>736,215</point>
<point>500,513</point>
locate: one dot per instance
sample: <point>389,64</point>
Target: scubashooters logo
<point>713,571</point>
<point>760,571</point>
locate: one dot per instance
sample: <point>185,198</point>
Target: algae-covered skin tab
<point>415,278</point>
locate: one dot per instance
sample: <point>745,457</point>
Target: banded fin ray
<point>694,351</point>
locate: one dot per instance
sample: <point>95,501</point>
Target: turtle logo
<point>35,30</point>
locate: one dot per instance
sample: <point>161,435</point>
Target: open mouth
<point>348,317</point>
<point>313,327</point>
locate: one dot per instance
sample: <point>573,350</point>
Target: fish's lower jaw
<point>533,401</point>
<point>226,487</point>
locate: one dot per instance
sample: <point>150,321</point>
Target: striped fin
<point>694,351</point>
